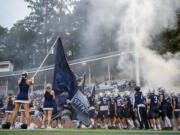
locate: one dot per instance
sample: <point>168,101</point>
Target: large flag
<point>64,81</point>
<point>65,87</point>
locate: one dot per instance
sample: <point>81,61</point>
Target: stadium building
<point>101,69</point>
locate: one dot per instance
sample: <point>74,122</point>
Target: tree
<point>3,40</point>
<point>168,41</point>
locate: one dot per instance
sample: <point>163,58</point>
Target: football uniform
<point>103,108</point>
<point>128,109</point>
<point>141,109</point>
<point>154,106</point>
<point>91,106</point>
<point>112,106</point>
<point>177,107</point>
<point>120,107</point>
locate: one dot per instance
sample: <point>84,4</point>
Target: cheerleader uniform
<point>23,94</point>
<point>10,106</point>
<point>48,101</point>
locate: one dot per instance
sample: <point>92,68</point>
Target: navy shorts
<point>92,113</point>
<point>112,114</point>
<point>153,114</point>
<point>103,115</point>
<point>177,114</point>
<point>120,115</point>
<point>128,112</point>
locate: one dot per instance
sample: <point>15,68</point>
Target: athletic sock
<point>137,122</point>
<point>92,121</point>
<point>152,126</point>
<point>106,126</point>
<point>119,125</point>
<point>125,126</point>
<point>178,127</point>
<point>155,127</point>
<point>168,121</point>
<point>159,126</point>
<point>131,123</point>
<point>166,125</point>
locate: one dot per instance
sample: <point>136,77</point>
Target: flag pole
<point>45,58</point>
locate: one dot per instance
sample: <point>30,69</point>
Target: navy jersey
<point>10,102</point>
<point>165,97</point>
<point>139,99</point>
<point>10,105</point>
<point>174,98</point>
<point>144,99</point>
<point>103,103</point>
<point>91,101</point>
<point>48,100</point>
<point>24,87</point>
<point>148,95</point>
<point>119,102</point>
<point>112,101</point>
<point>48,96</point>
<point>127,98</point>
<point>154,100</point>
<point>1,103</point>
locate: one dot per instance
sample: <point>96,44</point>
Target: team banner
<point>64,80</point>
<point>80,104</point>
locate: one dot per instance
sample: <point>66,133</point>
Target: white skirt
<point>22,101</point>
<point>47,109</point>
<point>9,111</point>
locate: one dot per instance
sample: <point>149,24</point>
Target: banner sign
<point>80,104</point>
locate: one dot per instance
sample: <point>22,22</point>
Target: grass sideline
<point>85,132</point>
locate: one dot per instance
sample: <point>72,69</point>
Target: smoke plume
<point>138,23</point>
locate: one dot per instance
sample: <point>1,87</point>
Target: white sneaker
<point>42,126</point>
<point>60,126</point>
<point>155,128</point>
<point>11,128</point>
<point>49,127</point>
<point>29,128</point>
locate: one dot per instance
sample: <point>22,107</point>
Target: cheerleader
<point>10,107</point>
<point>22,98</point>
<point>49,96</point>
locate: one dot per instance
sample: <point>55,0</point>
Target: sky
<point>11,11</point>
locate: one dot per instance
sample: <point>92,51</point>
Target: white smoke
<point>139,21</point>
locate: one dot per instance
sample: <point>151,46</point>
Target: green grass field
<point>85,132</point>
